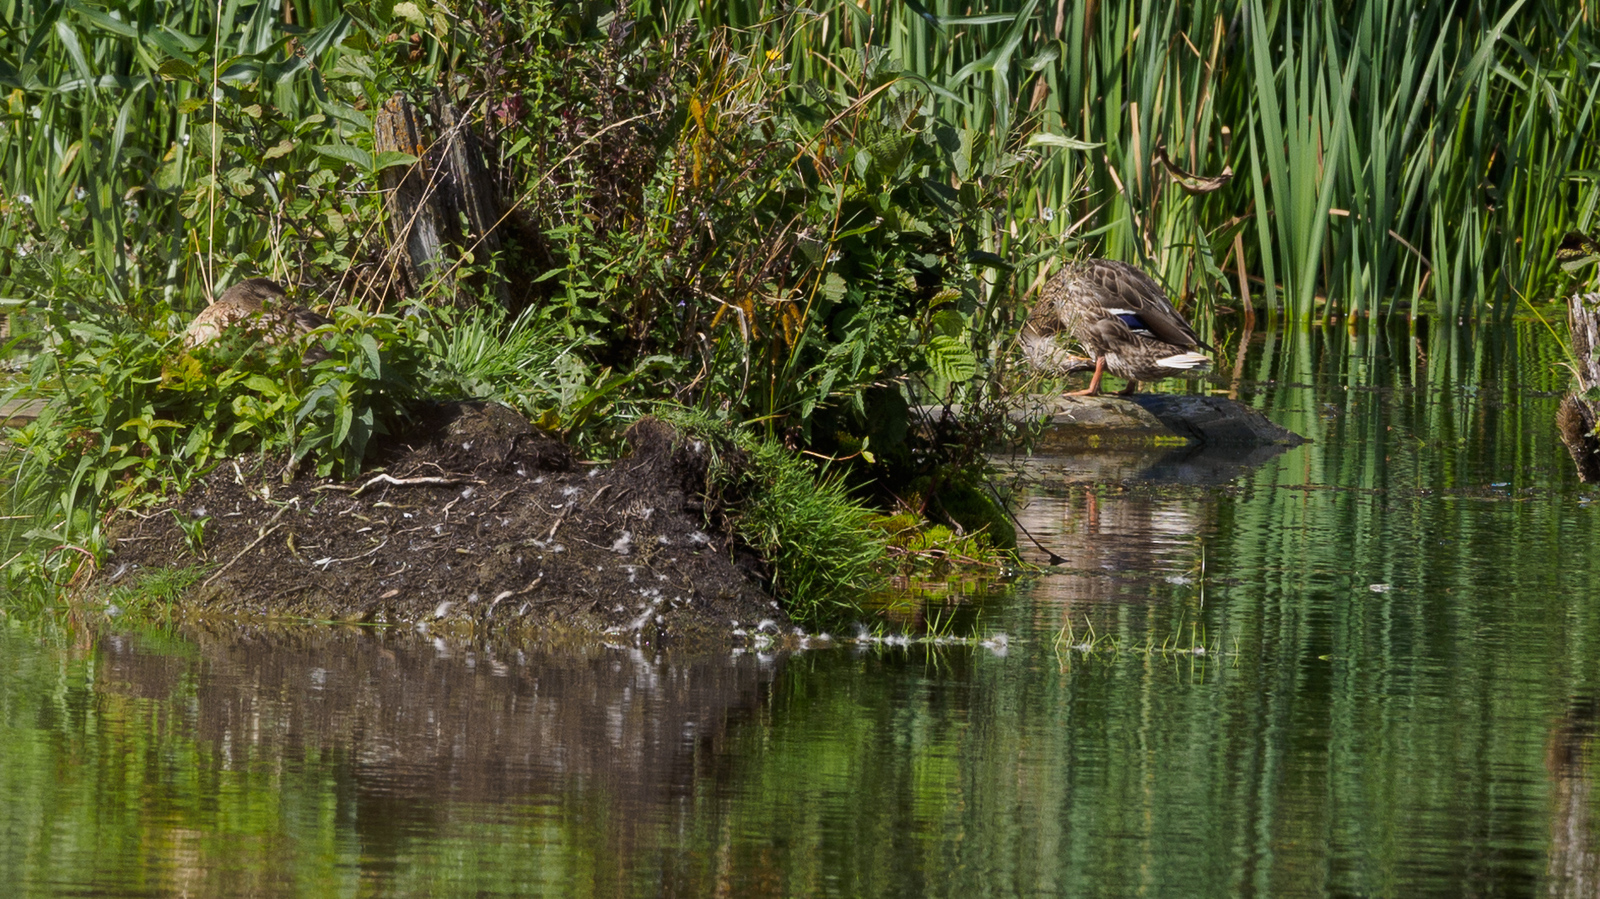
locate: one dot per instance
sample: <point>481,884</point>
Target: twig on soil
<point>253,544</point>
<point>451,503</point>
<point>393,482</point>
<point>272,526</point>
<point>559,518</point>
<point>324,563</point>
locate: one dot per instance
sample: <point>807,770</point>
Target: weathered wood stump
<point>1577,415</point>
<point>447,198</point>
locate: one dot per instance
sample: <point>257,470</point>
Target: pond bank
<point>478,521</point>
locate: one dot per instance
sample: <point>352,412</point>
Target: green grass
<point>808,217</point>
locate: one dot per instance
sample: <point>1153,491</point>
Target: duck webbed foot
<point>1094,382</point>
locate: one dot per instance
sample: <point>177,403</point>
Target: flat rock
<point>1215,421</point>
<point>1076,422</point>
<point>1073,423</point>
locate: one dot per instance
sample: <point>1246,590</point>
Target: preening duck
<point>259,304</point>
<point>1121,317</point>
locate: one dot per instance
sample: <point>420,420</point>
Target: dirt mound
<point>475,519</point>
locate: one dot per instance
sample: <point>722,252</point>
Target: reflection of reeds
<point>1087,641</point>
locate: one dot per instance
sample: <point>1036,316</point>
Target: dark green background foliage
<point>813,217</point>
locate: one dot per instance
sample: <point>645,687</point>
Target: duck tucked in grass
<point>1122,318</point>
<point>262,306</point>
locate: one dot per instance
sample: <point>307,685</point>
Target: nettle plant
<point>813,257</point>
<point>128,412</point>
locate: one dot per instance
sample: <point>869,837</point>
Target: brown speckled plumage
<point>1089,300</point>
<point>259,304</point>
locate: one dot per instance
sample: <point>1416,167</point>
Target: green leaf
<point>356,156</point>
<point>369,345</point>
<point>177,70</point>
<point>389,158</point>
<point>834,287</point>
<point>411,13</point>
<point>947,322</point>
<point>1061,141</point>
<point>950,359</point>
<point>281,148</point>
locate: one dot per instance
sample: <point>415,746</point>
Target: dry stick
<point>392,481</point>
<point>559,518</point>
<point>253,544</point>
<point>324,563</point>
<point>405,482</point>
<point>273,522</point>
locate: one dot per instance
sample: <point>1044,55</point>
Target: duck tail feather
<point>1185,362</point>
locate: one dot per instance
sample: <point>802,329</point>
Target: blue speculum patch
<point>1134,322</point>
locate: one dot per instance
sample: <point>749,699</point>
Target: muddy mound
<point>475,520</point>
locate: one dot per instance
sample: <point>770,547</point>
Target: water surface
<point>1365,666</point>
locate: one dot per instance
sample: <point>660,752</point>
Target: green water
<point>1398,696</point>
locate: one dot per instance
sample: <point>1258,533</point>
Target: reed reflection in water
<point>1405,618</point>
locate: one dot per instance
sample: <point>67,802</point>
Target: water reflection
<point>1403,703</point>
<point>406,746</point>
<point>1574,868</point>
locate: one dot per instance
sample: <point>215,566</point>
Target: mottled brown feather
<point>1080,301</point>
<point>258,304</point>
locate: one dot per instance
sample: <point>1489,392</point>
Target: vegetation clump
<point>802,225</point>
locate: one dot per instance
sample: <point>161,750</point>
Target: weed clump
<point>818,538</point>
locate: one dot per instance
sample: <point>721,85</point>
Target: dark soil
<point>493,526</point>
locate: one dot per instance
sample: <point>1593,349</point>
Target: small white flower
<point>25,199</point>
<point>82,193</point>
<point>1049,214</point>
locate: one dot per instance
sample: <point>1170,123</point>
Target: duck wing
<point>1137,300</point>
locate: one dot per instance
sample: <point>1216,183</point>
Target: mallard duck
<point>258,304</point>
<point>1121,316</point>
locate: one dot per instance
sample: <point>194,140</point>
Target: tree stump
<point>1577,415</point>
<point>447,197</point>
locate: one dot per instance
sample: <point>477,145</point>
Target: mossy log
<point>1577,415</point>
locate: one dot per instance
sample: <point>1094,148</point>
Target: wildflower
<point>1048,215</point>
<point>25,199</point>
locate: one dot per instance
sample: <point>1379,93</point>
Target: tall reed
<point>1361,156</point>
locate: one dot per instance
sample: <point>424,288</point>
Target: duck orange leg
<point>1094,382</point>
<point>1130,390</point>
